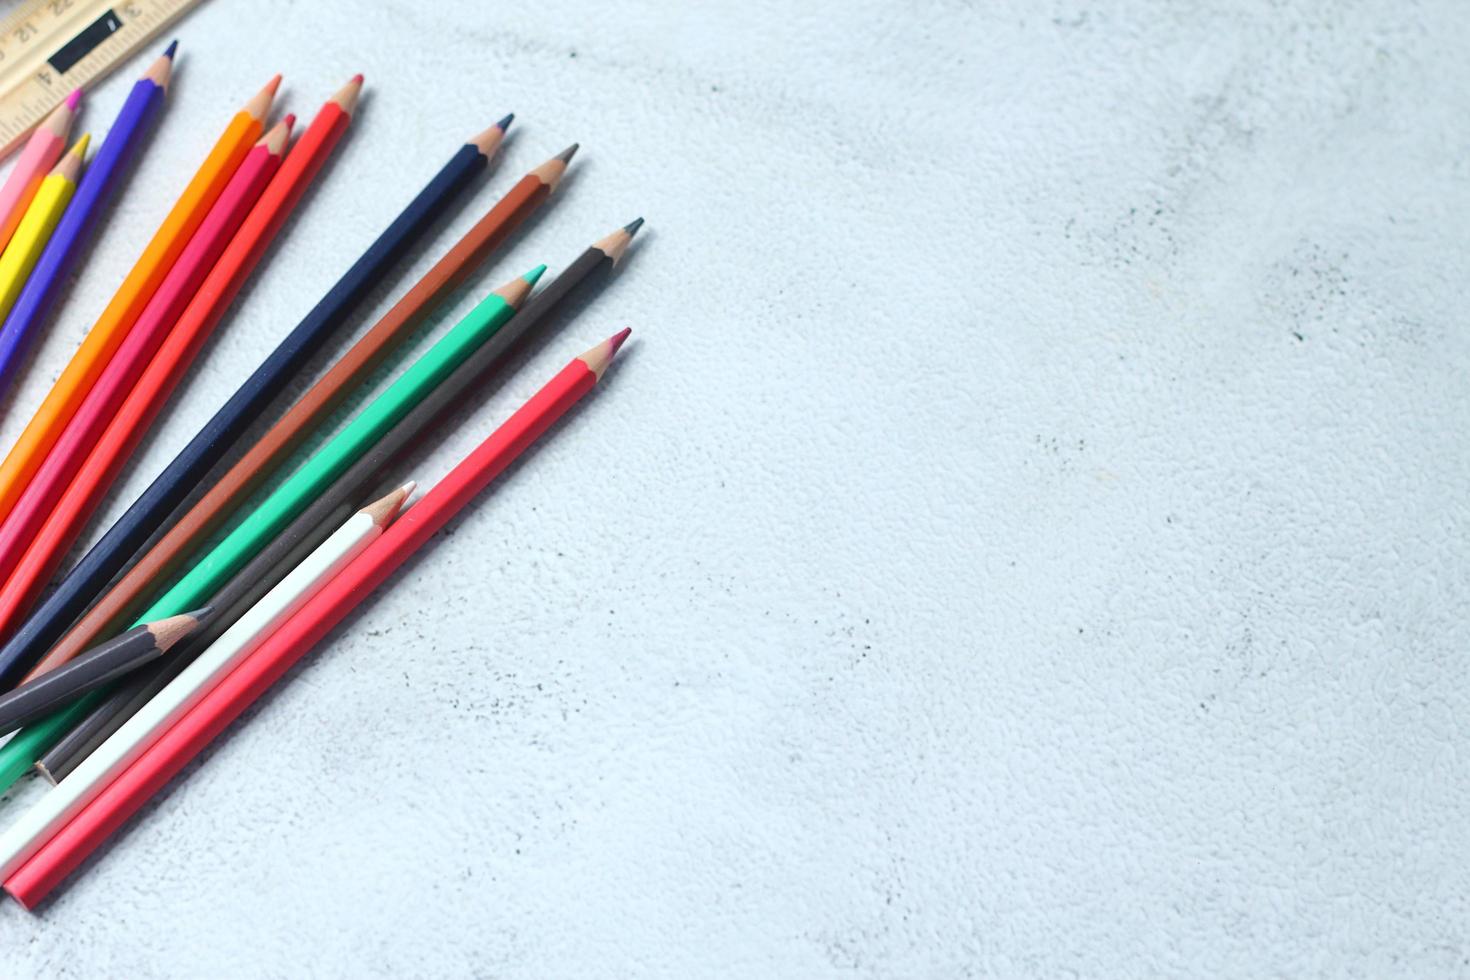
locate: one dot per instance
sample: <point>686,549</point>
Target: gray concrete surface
<point>1026,536</point>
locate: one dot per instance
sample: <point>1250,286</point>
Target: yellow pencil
<point>35,228</point>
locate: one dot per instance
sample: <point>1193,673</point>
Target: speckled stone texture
<point>1025,536</point>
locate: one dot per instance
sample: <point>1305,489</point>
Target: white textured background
<point>1026,535</point>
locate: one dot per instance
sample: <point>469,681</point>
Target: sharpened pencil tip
<point>504,124</point>
<point>632,227</point>
<point>79,148</point>
<point>616,340</point>
<point>74,99</point>
<point>357,78</point>
<point>289,121</point>
<point>565,156</point>
<point>274,84</point>
<point>534,274</point>
<point>201,614</point>
<point>173,46</point>
<point>598,358</point>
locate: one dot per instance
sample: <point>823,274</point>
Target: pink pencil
<point>42,151</point>
<point>40,496</point>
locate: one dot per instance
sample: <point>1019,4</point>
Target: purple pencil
<point>72,232</point>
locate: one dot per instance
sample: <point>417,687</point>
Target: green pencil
<point>293,496</point>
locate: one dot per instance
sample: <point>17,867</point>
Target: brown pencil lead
<point>550,173</point>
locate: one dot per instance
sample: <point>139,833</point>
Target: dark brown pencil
<point>103,663</point>
<point>358,482</point>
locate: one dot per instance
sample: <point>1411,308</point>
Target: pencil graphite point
<point>616,341</point>
<point>535,274</point>
<point>79,148</point>
<point>357,79</point>
<point>74,99</point>
<point>598,358</point>
<point>504,124</point>
<point>272,86</point>
<point>565,156</point>
<point>173,46</point>
<point>632,227</point>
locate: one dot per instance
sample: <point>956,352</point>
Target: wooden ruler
<point>49,47</point>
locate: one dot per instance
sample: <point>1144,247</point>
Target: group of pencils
<point>183,613</point>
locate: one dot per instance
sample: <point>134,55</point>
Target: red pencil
<point>150,771</point>
<point>167,368</point>
<point>118,378</point>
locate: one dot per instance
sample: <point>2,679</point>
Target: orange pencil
<point>132,296</point>
<point>167,368</point>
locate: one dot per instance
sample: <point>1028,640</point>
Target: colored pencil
<point>73,232</point>
<point>260,669</point>
<point>250,401</point>
<point>590,267</point>
<point>41,153</point>
<point>137,289</point>
<point>99,665</point>
<point>195,680</point>
<point>39,221</point>
<point>124,599</point>
<point>167,368</point>
<point>79,438</point>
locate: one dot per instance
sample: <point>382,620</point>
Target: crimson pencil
<point>192,732</point>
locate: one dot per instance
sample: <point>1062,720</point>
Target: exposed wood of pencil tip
<point>598,358</point>
<point>551,172</point>
<point>614,245</point>
<point>488,141</point>
<point>259,105</point>
<point>275,140</point>
<point>514,292</point>
<point>346,97</point>
<point>385,508</point>
<point>167,632</point>
<point>70,165</point>
<point>161,70</point>
<point>59,121</point>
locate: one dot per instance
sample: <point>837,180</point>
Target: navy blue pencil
<point>153,507</point>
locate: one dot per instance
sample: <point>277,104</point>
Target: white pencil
<point>42,821</point>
